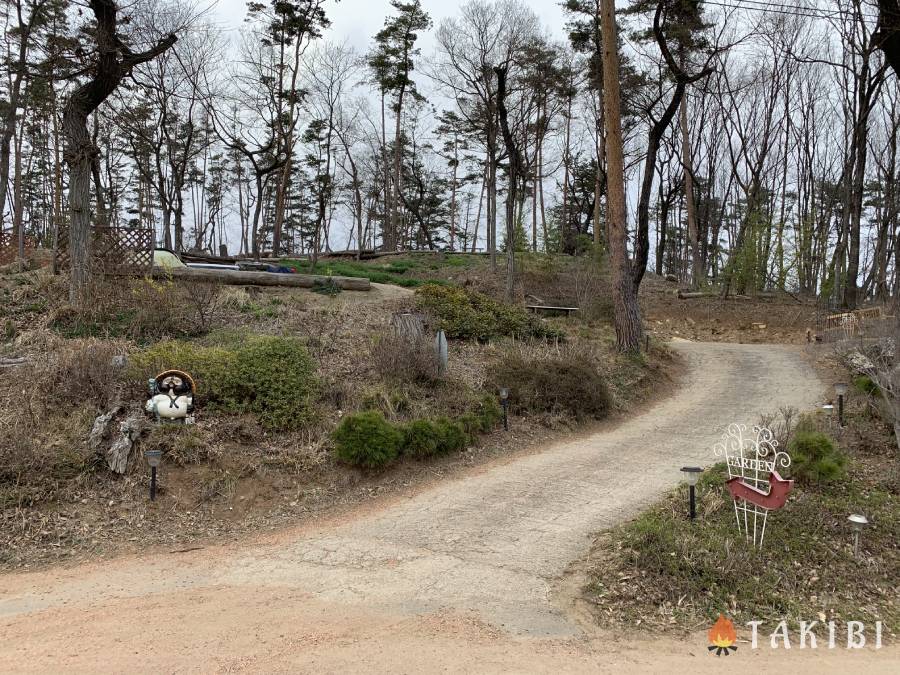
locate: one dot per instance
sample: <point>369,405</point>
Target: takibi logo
<point>722,636</point>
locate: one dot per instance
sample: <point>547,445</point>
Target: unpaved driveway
<point>461,576</point>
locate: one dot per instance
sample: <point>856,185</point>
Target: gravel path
<point>478,556</point>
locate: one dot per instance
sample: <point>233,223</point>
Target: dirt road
<point>463,576</point>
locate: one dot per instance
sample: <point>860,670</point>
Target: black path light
<point>841,388</point>
<point>504,401</point>
<point>692,473</point>
<point>154,457</point>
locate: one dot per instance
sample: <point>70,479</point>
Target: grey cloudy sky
<point>358,20</point>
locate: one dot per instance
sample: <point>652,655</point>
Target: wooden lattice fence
<point>9,247</point>
<point>116,251</point>
<point>870,322</point>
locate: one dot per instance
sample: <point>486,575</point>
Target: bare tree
<point>114,60</point>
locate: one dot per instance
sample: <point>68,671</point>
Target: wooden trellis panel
<point>9,247</point>
<point>117,251</point>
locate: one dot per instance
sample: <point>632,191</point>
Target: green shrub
<point>471,422</point>
<point>209,366</point>
<point>572,385</point>
<point>271,377</point>
<point>275,380</point>
<point>484,418</point>
<point>426,438</point>
<point>815,458</point>
<point>489,412</point>
<point>452,434</point>
<point>867,385</point>
<point>468,314</point>
<point>366,439</point>
<point>421,438</point>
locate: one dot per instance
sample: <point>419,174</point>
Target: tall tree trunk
<point>453,207</point>
<point>114,61</point>
<point>388,238</point>
<point>693,233</point>
<point>19,204</point>
<point>398,154</point>
<point>20,68</point>
<point>627,313</point>
<point>598,176</point>
<point>478,216</point>
<point>662,227</point>
<point>516,167</point>
<point>492,206</point>
<point>566,237</point>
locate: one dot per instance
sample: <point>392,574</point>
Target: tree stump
<point>409,326</point>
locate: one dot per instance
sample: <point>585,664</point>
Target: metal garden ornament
<point>755,485</point>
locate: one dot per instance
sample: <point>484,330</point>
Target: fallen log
<point>687,295</point>
<point>207,258</point>
<point>236,278</point>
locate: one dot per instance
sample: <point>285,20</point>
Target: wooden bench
<point>551,308</point>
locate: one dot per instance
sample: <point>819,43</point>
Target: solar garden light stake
<point>692,473</point>
<point>504,402</point>
<point>858,522</point>
<point>154,457</point>
<point>840,388</point>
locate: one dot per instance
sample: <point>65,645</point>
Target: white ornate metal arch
<point>751,457</point>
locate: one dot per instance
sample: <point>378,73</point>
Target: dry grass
<point>401,359</point>
<point>228,474</point>
<point>663,572</point>
<point>78,372</point>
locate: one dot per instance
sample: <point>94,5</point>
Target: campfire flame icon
<point>722,636</point>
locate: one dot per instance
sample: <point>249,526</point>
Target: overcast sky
<point>359,20</point>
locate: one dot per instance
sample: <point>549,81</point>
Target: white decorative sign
<point>755,485</point>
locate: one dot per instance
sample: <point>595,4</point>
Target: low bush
<point>814,457</point>
<point>426,438</point>
<point>571,386</point>
<point>421,438</point>
<point>367,439</point>
<point>452,434</point>
<point>866,385</point>
<point>144,310</point>
<point>400,359</point>
<point>40,456</point>
<point>181,444</point>
<point>211,367</point>
<point>271,377</point>
<point>484,418</point>
<point>465,314</point>
<point>275,380</point>
<point>78,372</point>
